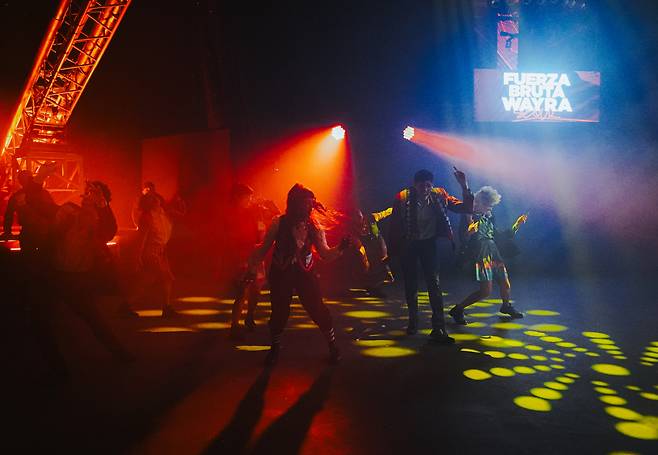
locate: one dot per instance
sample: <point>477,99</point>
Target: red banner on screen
<point>512,96</point>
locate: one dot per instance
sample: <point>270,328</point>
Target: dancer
<point>294,235</point>
<point>373,254</point>
<point>419,217</point>
<point>480,241</point>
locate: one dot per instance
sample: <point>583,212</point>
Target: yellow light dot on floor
<point>203,300</point>
<point>198,312</point>
<point>646,364</point>
<point>595,335</point>
<point>495,301</point>
<point>149,313</point>
<point>570,354</point>
<point>622,413</point>
<point>649,396</point>
<point>464,336</point>
<point>374,343</point>
<point>534,333</point>
<point>533,347</point>
<point>634,388</point>
<point>651,354</point>
<point>572,375</point>
<point>476,325</point>
<point>532,403</point>
<point>615,352</point>
<point>565,380</point>
<point>524,370</point>
<point>304,325</point>
<point>592,354</point>
<point>547,394</point>
<point>637,430</point>
<point>557,367</point>
<point>602,341</point>
<point>167,329</point>
<point>605,391</point>
<point>498,342</point>
<point>600,383</point>
<point>367,314</point>
<point>212,325</point>
<point>473,351</point>
<point>557,359</point>
<point>648,359</point>
<point>388,351</point>
<point>481,315</point>
<point>252,348</point>
<point>482,305</point>
<point>508,326</point>
<point>556,385</point>
<point>517,356</point>
<point>539,358</point>
<point>542,367</point>
<point>553,351</point>
<point>495,354</point>
<point>542,313</point>
<point>654,343</point>
<point>476,375</point>
<point>608,347</point>
<point>613,399</point>
<point>653,349</point>
<point>551,339</point>
<point>566,344</point>
<point>610,369</point>
<point>502,372</point>
<point>548,327</point>
<point>580,349</point>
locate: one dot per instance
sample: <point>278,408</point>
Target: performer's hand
<point>461,177</point>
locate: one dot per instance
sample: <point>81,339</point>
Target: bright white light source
<point>338,132</point>
<point>408,133</point>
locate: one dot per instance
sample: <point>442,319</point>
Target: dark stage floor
<point>577,375</point>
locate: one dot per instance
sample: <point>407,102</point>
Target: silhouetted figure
<point>294,236</point>
<point>483,255</point>
<point>419,218</point>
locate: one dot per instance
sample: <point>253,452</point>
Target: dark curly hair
<point>107,194</point>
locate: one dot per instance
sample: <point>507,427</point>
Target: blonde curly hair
<point>488,195</point>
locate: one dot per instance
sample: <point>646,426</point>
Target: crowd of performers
<point>64,248</point>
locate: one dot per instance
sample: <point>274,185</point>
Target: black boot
<point>440,336</point>
<point>457,314</point>
<point>507,308</point>
<point>273,356</point>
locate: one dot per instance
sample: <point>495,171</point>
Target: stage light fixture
<point>408,133</point>
<point>338,132</point>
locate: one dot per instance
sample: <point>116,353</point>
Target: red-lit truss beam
<point>75,42</point>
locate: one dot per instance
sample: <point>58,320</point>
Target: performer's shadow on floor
<point>284,435</point>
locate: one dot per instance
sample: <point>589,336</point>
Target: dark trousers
<point>282,284</point>
<point>425,252</point>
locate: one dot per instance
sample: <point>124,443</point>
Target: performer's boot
<point>507,308</point>
<point>273,356</point>
<point>457,314</point>
<point>412,328</point>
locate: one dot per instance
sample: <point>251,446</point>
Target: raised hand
<point>461,177</point>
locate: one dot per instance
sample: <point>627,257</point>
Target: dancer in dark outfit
<point>419,217</point>
<point>294,236</point>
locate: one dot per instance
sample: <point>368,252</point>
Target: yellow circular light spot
<point>494,301</point>
<point>482,305</point>
<point>508,326</point>
<point>542,313</point>
<point>651,354</point>
<point>648,359</point>
<point>654,343</point>
<point>592,354</point>
<point>518,356</point>
<point>637,430</point>
<point>612,399</point>
<point>304,325</point>
<point>534,333</point>
<point>481,315</point>
<point>595,335</point>
<point>649,396</point>
<point>646,364</point>
<point>634,388</point>
<point>388,351</point>
<point>553,351</point>
<point>548,327</point>
<point>610,369</point>
<point>566,344</point>
<point>212,325</point>
<point>476,375</point>
<point>580,349</point>
<point>605,391</point>
<point>542,367</point>
<point>652,349</point>
<point>557,367</point>
<point>600,383</point>
<point>149,313</point>
<point>476,325</point>
<point>533,347</point>
<point>573,375</point>
<point>374,343</point>
<point>551,339</point>
<point>570,354</point>
<point>498,342</point>
<point>167,329</point>
<point>539,358</point>
<point>532,403</point>
<point>365,314</point>
<point>198,312</point>
<point>464,336</point>
<point>547,394</point>
<point>615,352</point>
<point>556,385</point>
<point>203,300</point>
<point>253,348</point>
<point>524,370</point>
<point>557,359</point>
<point>602,341</point>
<point>608,347</point>
<point>565,380</point>
<point>502,372</point>
<point>474,351</point>
<point>495,354</point>
<point>622,413</point>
